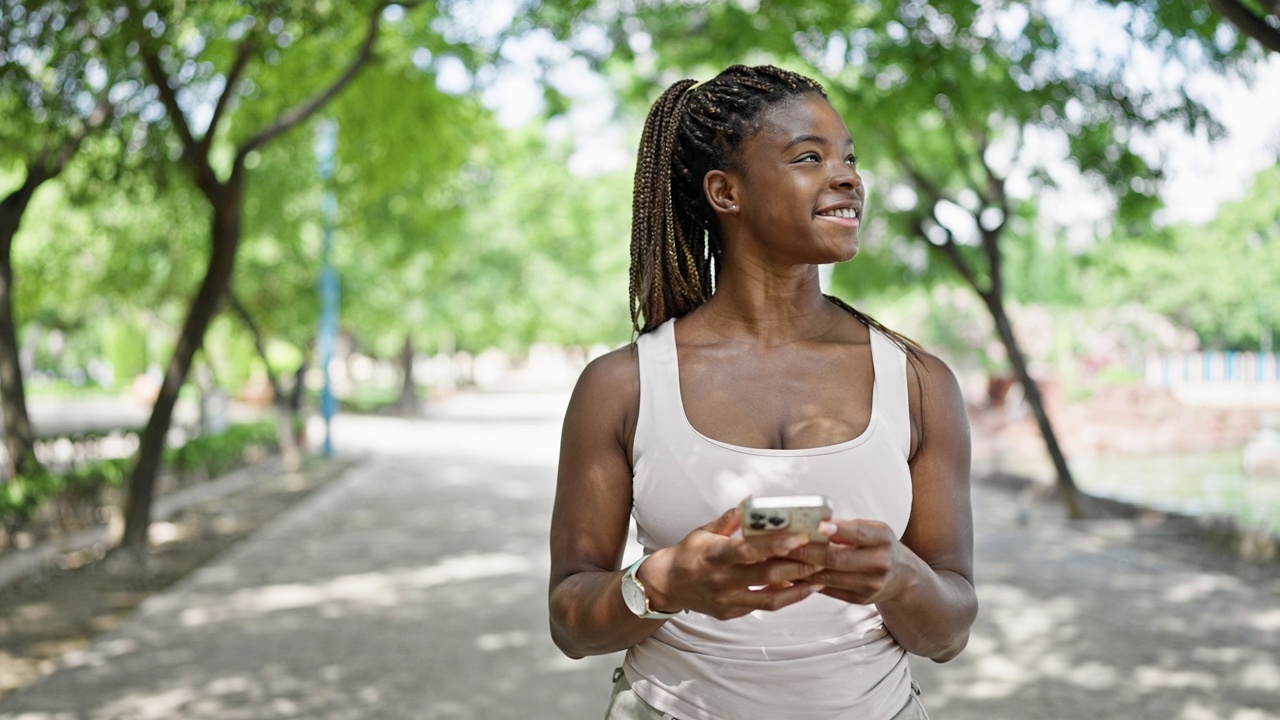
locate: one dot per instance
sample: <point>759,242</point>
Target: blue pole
<point>326,149</point>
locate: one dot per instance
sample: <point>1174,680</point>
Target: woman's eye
<point>852,160</point>
<point>807,157</point>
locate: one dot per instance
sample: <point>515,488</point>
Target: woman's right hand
<point>725,575</point>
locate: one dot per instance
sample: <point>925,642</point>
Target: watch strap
<point>630,576</point>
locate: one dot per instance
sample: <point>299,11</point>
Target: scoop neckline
<point>784,452</point>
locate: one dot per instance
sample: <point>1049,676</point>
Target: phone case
<point>791,513</point>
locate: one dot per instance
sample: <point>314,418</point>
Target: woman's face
<point>799,193</point>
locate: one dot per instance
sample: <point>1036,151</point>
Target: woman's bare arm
<point>592,510</point>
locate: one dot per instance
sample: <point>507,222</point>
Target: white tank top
<point>819,659</point>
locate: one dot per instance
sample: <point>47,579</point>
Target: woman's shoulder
<point>607,396</point>
<point>611,380</point>
<point>929,370</point>
<point>615,369</point>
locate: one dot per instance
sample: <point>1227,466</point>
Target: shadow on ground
<point>1076,625</point>
<point>415,587</point>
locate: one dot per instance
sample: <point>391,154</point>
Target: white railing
<point>1173,370</point>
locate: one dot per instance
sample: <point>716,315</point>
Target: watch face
<point>633,596</point>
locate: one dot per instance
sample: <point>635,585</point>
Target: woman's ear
<point>721,191</point>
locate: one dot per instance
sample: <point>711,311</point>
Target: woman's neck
<point>771,307</point>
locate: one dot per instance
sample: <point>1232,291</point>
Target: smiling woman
<point>746,380</point>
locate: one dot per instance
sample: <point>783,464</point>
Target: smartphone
<point>790,513</point>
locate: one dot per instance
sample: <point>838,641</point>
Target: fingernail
<point>815,589</point>
<point>827,528</point>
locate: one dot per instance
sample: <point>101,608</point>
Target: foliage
<point>1218,279</point>
<point>1175,21</point>
<point>552,267</point>
<point>949,103</point>
<point>59,61</point>
<point>23,497</point>
<point>400,202</point>
<point>948,100</point>
<point>540,255</point>
<point>455,233</point>
<point>215,454</point>
<point>370,400</point>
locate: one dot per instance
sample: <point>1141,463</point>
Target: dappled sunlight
<point>396,591</point>
<point>1065,616</point>
<point>368,591</point>
<point>1268,620</point>
<point>415,587</point>
<point>1192,589</point>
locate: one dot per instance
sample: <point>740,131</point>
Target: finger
<point>849,596</point>
<point>859,532</point>
<point>726,524</point>
<point>776,572</point>
<point>759,548</point>
<point>816,554</point>
<point>840,558</point>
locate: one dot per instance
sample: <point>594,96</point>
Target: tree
<point>948,101</point>
<point>1259,20</point>
<point>56,90</point>
<point>1217,279</point>
<point>539,275</point>
<point>178,46</point>
<point>398,211</point>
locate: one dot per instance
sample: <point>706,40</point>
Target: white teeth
<point>841,213</point>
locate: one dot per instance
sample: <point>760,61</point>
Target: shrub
<point>83,487</point>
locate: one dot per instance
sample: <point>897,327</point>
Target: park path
<point>414,586</point>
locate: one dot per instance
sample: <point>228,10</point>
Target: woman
<point>746,380</point>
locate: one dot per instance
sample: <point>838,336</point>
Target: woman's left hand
<point>863,563</point>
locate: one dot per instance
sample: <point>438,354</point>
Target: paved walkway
<point>414,587</point>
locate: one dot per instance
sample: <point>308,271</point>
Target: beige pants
<point>624,704</point>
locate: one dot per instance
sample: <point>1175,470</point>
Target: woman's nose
<point>845,176</point>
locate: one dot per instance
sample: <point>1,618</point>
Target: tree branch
<point>168,97</point>
<point>1248,23</point>
<point>300,113</point>
<point>995,263</point>
<point>256,333</point>
<point>40,170</point>
<point>194,152</point>
<point>952,252</point>
<point>930,188</point>
<point>243,54</point>
<point>995,186</point>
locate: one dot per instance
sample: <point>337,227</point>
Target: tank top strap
<point>892,403</point>
<point>660,402</point>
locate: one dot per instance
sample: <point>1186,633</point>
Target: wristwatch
<point>634,596</point>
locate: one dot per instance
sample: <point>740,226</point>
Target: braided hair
<point>676,243</point>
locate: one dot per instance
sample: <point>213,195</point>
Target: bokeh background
<point>228,228</point>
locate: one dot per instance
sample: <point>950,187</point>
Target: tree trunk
<point>19,439</point>
<point>290,455</point>
<point>993,297</point>
<point>225,240</point>
<point>1066,482</point>
<point>408,390</point>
